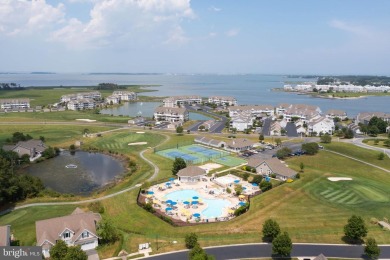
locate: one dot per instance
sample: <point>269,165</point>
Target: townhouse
<point>178,101</point>
<point>223,100</point>
<point>171,114</point>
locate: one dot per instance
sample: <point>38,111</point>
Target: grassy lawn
<point>55,135</point>
<point>311,209</point>
<point>60,116</point>
<point>42,96</point>
<point>366,155</point>
<point>372,143</point>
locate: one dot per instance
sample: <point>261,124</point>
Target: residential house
<point>223,101</point>
<point>254,110</point>
<point>366,117</point>
<point>78,228</point>
<point>321,124</point>
<point>11,104</point>
<point>272,166</point>
<point>292,112</point>
<point>241,121</point>
<point>333,113</point>
<point>239,145</point>
<point>171,114</point>
<point>33,148</point>
<point>136,120</point>
<point>125,95</point>
<point>179,101</point>
<point>112,100</point>
<point>275,128</point>
<point>5,235</point>
<point>191,174</point>
<point>206,125</point>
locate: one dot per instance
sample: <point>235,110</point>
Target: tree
<point>379,123</point>
<point>326,138</point>
<point>261,137</point>
<point>42,138</point>
<point>283,153</point>
<point>310,148</point>
<point>179,129</point>
<point>59,250</point>
<point>106,231</point>
<point>178,164</point>
<point>257,179</point>
<point>75,253</point>
<point>191,240</point>
<point>387,142</point>
<point>282,244</point>
<point>372,249</point>
<point>238,189</point>
<point>278,141</point>
<point>264,186</point>
<point>302,166</point>
<point>271,230</point>
<point>197,253</point>
<point>373,130</point>
<point>356,229</point>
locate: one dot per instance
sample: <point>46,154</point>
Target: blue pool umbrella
<point>255,184</point>
<point>195,202</point>
<point>171,179</point>
<point>244,188</point>
<point>195,198</point>
<point>168,183</point>
<point>196,215</point>
<point>236,181</point>
<point>169,201</point>
<point>150,192</point>
<point>168,209</point>
<point>186,202</point>
<point>241,203</point>
<point>173,203</point>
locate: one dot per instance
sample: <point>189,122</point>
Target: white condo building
<point>223,100</point>
<point>171,114</point>
<point>178,101</point>
<point>22,103</point>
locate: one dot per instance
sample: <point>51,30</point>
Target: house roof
<point>240,142</point>
<point>38,145</point>
<point>251,107</point>
<point>50,229</point>
<point>320,257</point>
<point>191,171</point>
<point>169,110</point>
<point>255,162</point>
<point>278,167</point>
<point>4,235</point>
<point>336,112</point>
<point>216,142</point>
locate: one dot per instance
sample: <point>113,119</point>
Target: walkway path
<point>359,142</point>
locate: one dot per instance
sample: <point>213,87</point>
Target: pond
<point>145,109</point>
<point>80,174</point>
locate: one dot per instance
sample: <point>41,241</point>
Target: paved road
<point>265,250</point>
<point>359,142</point>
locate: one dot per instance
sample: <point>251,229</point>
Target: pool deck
<point>207,190</point>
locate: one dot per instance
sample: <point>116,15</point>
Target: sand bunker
<point>86,120</point>
<point>339,179</point>
<point>138,143</point>
<point>210,166</point>
<point>140,132</point>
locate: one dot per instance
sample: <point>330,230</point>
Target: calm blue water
<point>248,89</point>
<point>214,207</point>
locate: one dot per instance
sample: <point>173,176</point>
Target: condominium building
<point>83,95</point>
<point>179,101</point>
<point>223,100</point>
<point>81,104</point>
<point>12,104</point>
<point>171,114</point>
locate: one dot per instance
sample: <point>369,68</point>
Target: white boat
<point>71,166</point>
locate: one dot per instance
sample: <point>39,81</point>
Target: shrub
<point>191,240</point>
<point>241,210</point>
<point>149,207</point>
<point>96,207</point>
<point>270,230</point>
<point>264,186</point>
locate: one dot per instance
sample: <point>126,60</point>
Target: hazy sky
<point>183,36</point>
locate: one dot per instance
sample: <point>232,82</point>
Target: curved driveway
<point>265,250</point>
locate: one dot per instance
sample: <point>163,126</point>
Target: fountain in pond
<point>71,166</point>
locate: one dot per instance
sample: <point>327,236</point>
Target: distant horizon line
<point>185,74</point>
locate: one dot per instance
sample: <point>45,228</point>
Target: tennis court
<point>229,161</point>
<point>197,154</point>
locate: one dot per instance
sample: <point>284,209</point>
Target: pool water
<point>214,206</point>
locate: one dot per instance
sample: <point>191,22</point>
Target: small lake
<point>94,170</point>
<point>145,109</point>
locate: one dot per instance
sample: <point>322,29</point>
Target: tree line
<point>109,86</point>
<point>11,86</point>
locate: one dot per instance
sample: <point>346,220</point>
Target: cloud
<point>112,20</point>
<point>215,9</point>
<point>26,17</point>
<point>354,29</point>
<point>232,32</point>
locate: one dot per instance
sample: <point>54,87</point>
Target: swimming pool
<point>214,206</point>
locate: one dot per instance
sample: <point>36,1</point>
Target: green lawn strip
<point>48,95</point>
<point>363,154</point>
<point>371,142</point>
<point>67,115</point>
<point>22,221</point>
<point>55,135</point>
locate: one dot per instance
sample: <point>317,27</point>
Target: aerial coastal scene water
<point>194,130</point>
